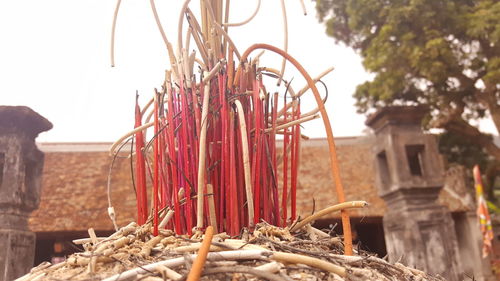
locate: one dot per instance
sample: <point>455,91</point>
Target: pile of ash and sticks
<point>267,253</point>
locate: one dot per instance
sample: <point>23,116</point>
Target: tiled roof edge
<point>104,146</point>
<point>74,146</point>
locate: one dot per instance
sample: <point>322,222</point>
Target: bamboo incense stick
<point>246,162</point>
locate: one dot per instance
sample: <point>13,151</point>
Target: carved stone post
<point>21,165</point>
<point>417,229</point>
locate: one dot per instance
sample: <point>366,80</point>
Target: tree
<point>459,150</point>
<point>442,53</point>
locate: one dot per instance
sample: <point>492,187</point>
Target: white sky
<point>54,58</point>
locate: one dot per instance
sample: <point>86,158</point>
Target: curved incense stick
<point>346,224</point>
<point>256,59</point>
<point>145,108</point>
<point>313,262</point>
<point>285,39</point>
<point>149,116</point>
<point>115,16</point>
<point>179,27</point>
<point>247,20</point>
<point>162,32</point>
<point>111,209</point>
<point>127,135</point>
<point>292,123</point>
<point>326,211</point>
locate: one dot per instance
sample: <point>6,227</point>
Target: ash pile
<point>267,253</point>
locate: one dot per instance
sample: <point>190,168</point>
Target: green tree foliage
<point>442,53</point>
<point>462,151</point>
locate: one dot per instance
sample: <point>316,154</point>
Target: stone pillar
<point>418,231</point>
<point>21,165</point>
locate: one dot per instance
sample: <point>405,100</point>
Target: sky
<point>54,58</point>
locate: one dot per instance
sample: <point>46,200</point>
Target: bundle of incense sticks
<point>212,157</point>
<point>218,134</point>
